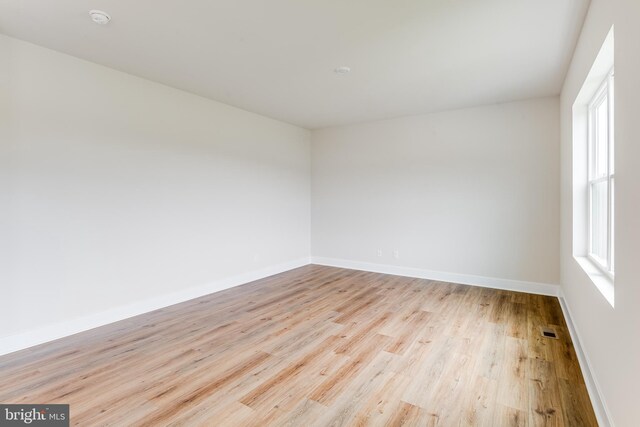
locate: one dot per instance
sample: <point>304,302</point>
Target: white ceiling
<point>276,57</point>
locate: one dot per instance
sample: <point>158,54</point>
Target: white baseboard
<point>464,279</point>
<point>55,331</point>
<point>595,394</point>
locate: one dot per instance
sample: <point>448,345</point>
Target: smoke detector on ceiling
<point>342,70</point>
<point>99,17</point>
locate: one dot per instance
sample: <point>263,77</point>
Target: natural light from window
<point>601,176</point>
<point>594,173</point>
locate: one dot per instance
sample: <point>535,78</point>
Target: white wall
<point>610,336</point>
<point>115,189</point>
<point>472,191</point>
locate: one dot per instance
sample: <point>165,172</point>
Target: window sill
<point>602,281</point>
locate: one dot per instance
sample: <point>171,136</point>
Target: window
<point>593,174</point>
<point>601,176</point>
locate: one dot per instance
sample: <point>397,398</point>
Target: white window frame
<point>604,94</point>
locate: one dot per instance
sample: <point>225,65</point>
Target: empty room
<point>320,213</point>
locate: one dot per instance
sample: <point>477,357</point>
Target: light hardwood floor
<point>318,346</point>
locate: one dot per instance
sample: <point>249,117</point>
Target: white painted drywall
<point>116,190</point>
<point>610,336</point>
<point>277,57</point>
<point>472,191</point>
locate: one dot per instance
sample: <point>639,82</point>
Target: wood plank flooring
<point>318,346</point>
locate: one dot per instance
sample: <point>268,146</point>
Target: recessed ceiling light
<point>342,70</point>
<point>99,17</point>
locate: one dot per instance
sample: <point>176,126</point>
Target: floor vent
<point>549,333</point>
